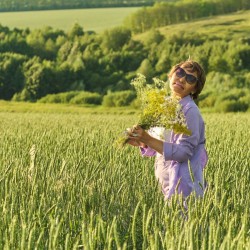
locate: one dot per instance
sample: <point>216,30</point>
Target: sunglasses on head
<point>180,72</point>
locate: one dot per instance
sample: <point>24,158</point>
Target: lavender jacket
<point>172,168</point>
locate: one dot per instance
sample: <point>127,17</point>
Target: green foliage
<point>38,77</point>
<point>146,68</point>
<point>167,13</point>
<point>233,94</point>
<point>154,36</point>
<point>118,99</point>
<point>73,97</point>
<point>233,101</point>
<point>76,30</point>
<point>87,98</point>
<point>14,42</point>
<point>11,75</point>
<point>22,96</point>
<point>28,5</point>
<point>208,102</point>
<point>59,98</point>
<point>246,80</point>
<point>220,82</point>
<point>116,38</point>
<point>43,42</point>
<point>231,106</point>
<point>237,56</point>
<point>52,61</point>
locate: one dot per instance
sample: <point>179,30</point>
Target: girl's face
<point>183,82</point>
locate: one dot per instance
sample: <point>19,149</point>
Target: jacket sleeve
<point>184,147</point>
<point>148,152</point>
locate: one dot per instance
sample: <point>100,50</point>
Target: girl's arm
<point>183,148</point>
<point>151,143</point>
<point>145,149</point>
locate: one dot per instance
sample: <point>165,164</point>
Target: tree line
<point>166,13</point>
<point>48,61</point>
<point>17,5</point>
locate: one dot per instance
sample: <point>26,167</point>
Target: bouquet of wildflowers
<point>157,108</point>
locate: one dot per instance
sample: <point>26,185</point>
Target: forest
<point>41,62</point>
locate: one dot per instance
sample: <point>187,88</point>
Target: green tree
<point>39,78</point>
<point>75,31</point>
<point>116,38</point>
<point>238,55</point>
<point>43,42</point>
<point>133,53</point>
<point>64,51</point>
<point>11,76</point>
<point>154,36</point>
<point>14,41</point>
<point>139,22</point>
<point>146,69</point>
<point>164,63</point>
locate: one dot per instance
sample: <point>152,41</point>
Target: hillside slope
<point>236,25</point>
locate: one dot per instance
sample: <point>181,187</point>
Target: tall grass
<point>63,185</point>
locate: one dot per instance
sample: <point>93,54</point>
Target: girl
<point>177,154</point>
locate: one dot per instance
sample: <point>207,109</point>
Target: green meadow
<point>65,185</point>
<point>96,20</point>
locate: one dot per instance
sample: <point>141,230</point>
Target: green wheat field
<point>64,185</point>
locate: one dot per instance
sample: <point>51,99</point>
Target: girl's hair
<point>192,66</point>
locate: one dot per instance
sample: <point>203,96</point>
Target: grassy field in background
<point>224,26</point>
<point>65,185</point>
<point>27,107</point>
<point>96,20</point>
<point>227,26</point>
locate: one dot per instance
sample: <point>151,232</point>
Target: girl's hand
<point>143,138</point>
<point>136,134</point>
<point>134,143</point>
<point>132,138</point>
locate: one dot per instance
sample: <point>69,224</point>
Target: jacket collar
<point>185,100</point>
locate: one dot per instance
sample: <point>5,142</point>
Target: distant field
<point>91,19</point>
